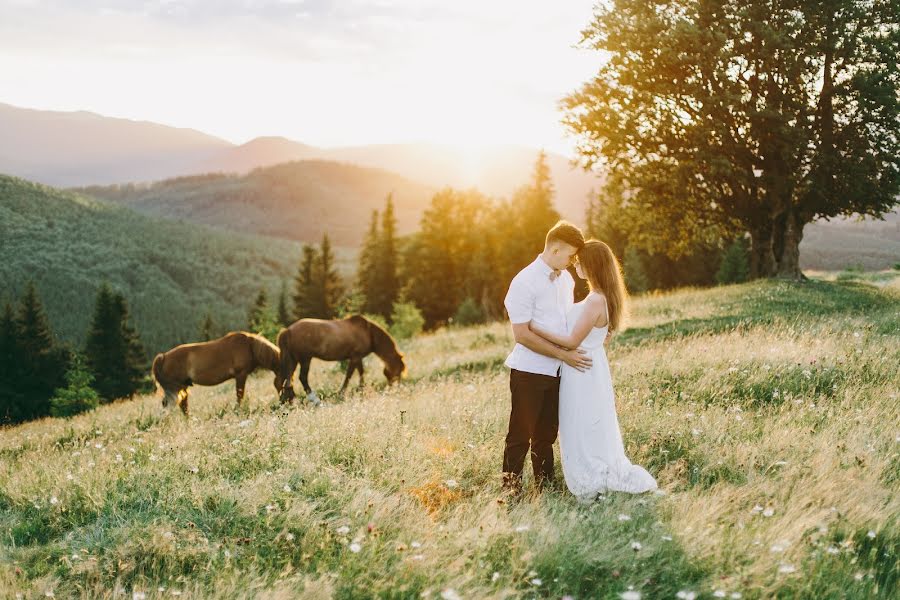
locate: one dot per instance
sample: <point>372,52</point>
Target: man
<point>543,292</point>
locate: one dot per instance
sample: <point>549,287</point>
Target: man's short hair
<point>565,232</point>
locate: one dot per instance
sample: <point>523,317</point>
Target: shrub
<point>468,313</point>
<point>78,396</point>
<point>407,320</point>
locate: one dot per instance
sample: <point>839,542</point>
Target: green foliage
<point>318,290</point>
<point>262,320</point>
<point>735,265</point>
<point>468,313</point>
<point>743,117</point>
<point>42,363</point>
<point>406,320</point>
<point>78,396</point>
<point>284,314</point>
<point>172,273</point>
<point>207,329</point>
<point>633,267</point>
<point>115,355</point>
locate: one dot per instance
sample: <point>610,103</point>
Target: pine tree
<point>261,319</point>
<point>207,328</point>
<point>284,315</point>
<point>10,367</point>
<point>304,285</point>
<point>735,266</point>
<point>78,396</point>
<point>329,290</point>
<point>114,353</point>
<point>259,308</point>
<point>43,364</point>
<point>385,285</point>
<point>366,276</point>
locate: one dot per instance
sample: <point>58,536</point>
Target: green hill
<point>171,273</point>
<point>767,412</point>
<point>295,200</point>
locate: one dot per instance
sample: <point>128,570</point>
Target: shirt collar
<point>543,266</point>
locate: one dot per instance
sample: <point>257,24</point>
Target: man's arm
<point>576,359</point>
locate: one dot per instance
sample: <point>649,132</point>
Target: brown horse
<point>235,355</point>
<point>352,338</point>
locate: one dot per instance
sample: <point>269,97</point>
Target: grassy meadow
<point>768,412</point>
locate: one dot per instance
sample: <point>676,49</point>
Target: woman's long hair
<point>604,275</point>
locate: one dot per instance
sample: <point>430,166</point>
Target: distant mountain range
<point>295,200</point>
<point>274,186</point>
<point>68,149</point>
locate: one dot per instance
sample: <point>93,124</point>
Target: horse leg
<point>362,371</point>
<point>305,362</point>
<point>184,402</point>
<point>351,367</point>
<point>240,380</point>
<point>288,365</point>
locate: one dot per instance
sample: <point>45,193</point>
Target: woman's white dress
<point>593,454</point>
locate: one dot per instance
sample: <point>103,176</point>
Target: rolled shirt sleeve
<point>519,301</point>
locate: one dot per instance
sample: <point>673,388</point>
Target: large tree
<point>754,116</point>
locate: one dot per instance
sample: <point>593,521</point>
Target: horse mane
<point>265,352</point>
<point>382,343</point>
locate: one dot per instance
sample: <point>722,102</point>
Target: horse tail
<point>157,367</point>
<point>286,369</point>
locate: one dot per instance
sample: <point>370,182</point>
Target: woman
<point>593,455</point>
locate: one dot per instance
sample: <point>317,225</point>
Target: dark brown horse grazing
<point>352,338</point>
<point>235,355</point>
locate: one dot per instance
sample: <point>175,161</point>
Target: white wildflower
<point>624,517</point>
<point>450,594</point>
<point>871,535</point>
<point>536,581</point>
<point>54,500</point>
<point>287,488</point>
<point>495,576</point>
<point>344,530</point>
<point>416,544</point>
<point>686,595</point>
<point>636,546</point>
<point>786,568</point>
<point>630,595</point>
<point>355,547</point>
<point>768,512</point>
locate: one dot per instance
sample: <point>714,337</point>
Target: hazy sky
<point>324,72</point>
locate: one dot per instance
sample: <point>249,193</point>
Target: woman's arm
<point>595,305</point>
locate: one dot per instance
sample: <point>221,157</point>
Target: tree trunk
<point>789,260</point>
<point>762,257</point>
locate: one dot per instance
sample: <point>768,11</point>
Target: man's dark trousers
<point>533,423</point>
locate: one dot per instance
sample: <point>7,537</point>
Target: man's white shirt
<point>532,296</point>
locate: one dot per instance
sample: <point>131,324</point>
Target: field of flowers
<point>768,412</point>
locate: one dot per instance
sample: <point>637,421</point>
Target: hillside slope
<point>767,412</point>
<point>171,273</point>
<point>297,201</point>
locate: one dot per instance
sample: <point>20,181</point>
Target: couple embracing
<point>560,379</point>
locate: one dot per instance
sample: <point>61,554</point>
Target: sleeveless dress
<point>590,442</point>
